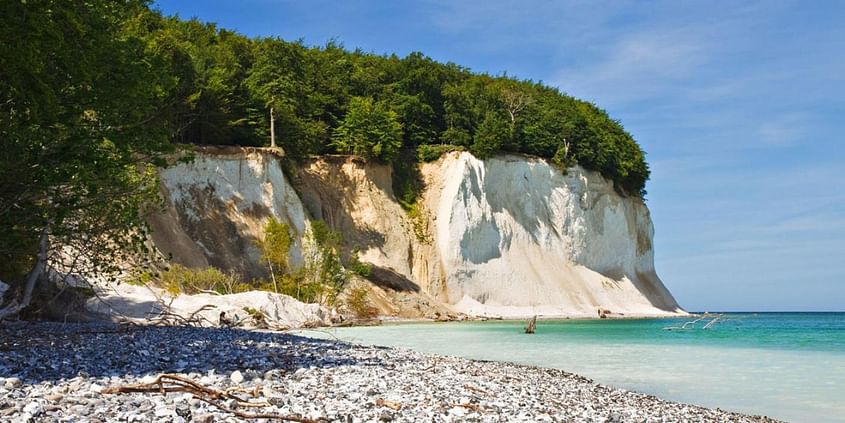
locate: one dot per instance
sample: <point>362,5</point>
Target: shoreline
<point>64,371</point>
<point>465,318</point>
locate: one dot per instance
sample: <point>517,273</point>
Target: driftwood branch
<point>714,318</point>
<point>40,263</point>
<point>169,318</point>
<point>166,383</point>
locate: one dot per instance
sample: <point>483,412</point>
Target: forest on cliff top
<point>328,99</point>
<point>217,87</point>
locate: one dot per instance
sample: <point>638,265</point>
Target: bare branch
<point>165,383</point>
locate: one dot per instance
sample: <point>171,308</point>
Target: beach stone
<point>163,411</point>
<point>237,377</point>
<point>34,408</point>
<point>203,418</point>
<point>54,397</point>
<point>457,411</point>
<point>12,383</point>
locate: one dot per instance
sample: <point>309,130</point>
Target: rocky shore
<point>103,373</point>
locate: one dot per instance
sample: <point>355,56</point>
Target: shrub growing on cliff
<point>432,152</point>
<point>179,279</point>
<point>321,276</point>
<point>330,273</point>
<point>359,304</point>
<point>275,248</point>
<point>358,267</point>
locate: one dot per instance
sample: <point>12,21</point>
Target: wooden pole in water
<point>532,324</point>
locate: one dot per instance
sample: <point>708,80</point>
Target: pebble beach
<point>53,372</point>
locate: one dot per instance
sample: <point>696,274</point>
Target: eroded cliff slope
<point>510,236</point>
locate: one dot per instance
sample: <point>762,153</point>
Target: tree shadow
<point>50,352</point>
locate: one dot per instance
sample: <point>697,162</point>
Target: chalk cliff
<point>509,236</point>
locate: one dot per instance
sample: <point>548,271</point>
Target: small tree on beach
<point>275,248</point>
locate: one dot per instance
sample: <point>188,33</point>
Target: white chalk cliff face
<point>517,237</point>
<point>509,236</point>
<point>217,206</point>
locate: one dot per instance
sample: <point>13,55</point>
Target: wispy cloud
<point>638,67</point>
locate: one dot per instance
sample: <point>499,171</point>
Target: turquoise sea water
<point>785,365</point>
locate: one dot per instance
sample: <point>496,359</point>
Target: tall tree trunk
<point>273,276</point>
<point>14,306</point>
<point>272,129</point>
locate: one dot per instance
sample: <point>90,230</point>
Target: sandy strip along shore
<point>66,373</point>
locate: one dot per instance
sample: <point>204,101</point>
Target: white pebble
<point>34,408</point>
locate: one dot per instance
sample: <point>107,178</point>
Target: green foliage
<point>302,285</point>
<point>358,267</point>
<point>319,279</point>
<point>432,152</point>
<point>420,222</point>
<point>142,278</point>
<point>179,279</point>
<point>275,247</point>
<point>324,236</point>
<point>329,100</point>
<point>492,134</point>
<point>81,126</point>
<point>326,265</point>
<point>407,180</point>
<point>359,304</point>
<point>370,129</point>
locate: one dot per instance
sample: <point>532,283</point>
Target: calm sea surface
<point>785,365</point>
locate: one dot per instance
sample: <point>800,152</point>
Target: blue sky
<point>739,105</point>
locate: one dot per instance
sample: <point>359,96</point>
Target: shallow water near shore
<point>784,365</point>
